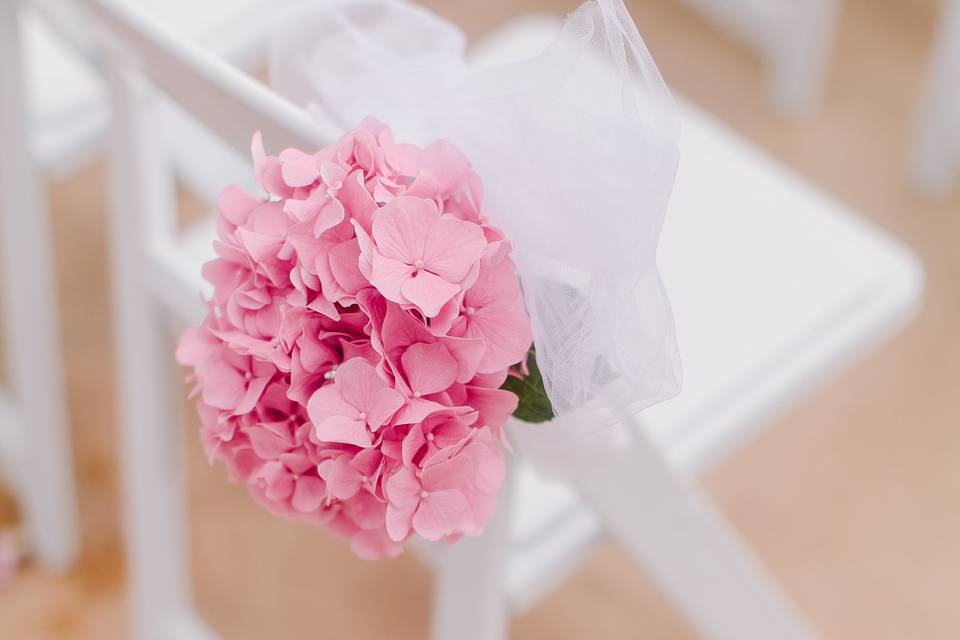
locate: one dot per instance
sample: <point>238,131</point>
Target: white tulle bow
<point>577,151</point>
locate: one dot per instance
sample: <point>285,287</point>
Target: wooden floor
<point>853,499</point>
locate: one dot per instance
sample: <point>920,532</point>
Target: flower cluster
<point>363,320</point>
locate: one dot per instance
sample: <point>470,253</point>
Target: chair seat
<point>775,286</point>
<point>68,103</point>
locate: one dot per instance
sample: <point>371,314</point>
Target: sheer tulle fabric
<point>577,151</point>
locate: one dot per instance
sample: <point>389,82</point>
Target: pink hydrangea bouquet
<point>368,336</point>
<point>366,342</point>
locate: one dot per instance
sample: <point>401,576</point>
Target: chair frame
<point>936,148</point>
<point>34,431</point>
<point>670,528</point>
<point>795,39</point>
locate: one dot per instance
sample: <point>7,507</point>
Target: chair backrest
<point>935,162</point>
<point>35,450</point>
<point>142,58</point>
<point>795,39</point>
<point>205,85</point>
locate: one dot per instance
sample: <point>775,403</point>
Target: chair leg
<point>32,323</point>
<point>799,62</point>
<point>470,600</point>
<point>151,465</point>
<point>936,152</point>
<point>691,552</point>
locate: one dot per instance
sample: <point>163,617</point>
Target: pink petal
<point>389,276</point>
<point>427,291</point>
<point>332,174</point>
<point>468,353</point>
<point>254,391</point>
<point>299,169</point>
<point>452,247</point>
<point>412,444</point>
<point>308,494</point>
<point>327,402</point>
<point>330,216</point>
<point>495,405</point>
<point>344,265</point>
<point>235,204</point>
<point>440,514</point>
<point>400,228</point>
<point>343,480</point>
<point>429,368</point>
<point>489,469</point>
<point>345,430</point>
<point>416,410</point>
<point>399,520</point>
<point>357,200</point>
<point>366,510</point>
<point>279,481</point>
<point>269,219</point>
<point>358,381</point>
<point>383,405</point>
<point>505,328</point>
<point>196,345</point>
<point>303,210</point>
<point>262,248</point>
<point>442,168</point>
<point>450,433</point>
<point>454,473</point>
<point>403,488</point>
<point>267,444</point>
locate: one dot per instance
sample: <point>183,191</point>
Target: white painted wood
<point>34,358</point>
<point>204,84</point>
<point>864,290</point>
<point>469,598</point>
<point>69,104</point>
<point>760,323</point>
<point>936,152</point>
<point>789,288</point>
<point>696,558</point>
<point>794,37</point>
<point>140,49</point>
<point>152,477</point>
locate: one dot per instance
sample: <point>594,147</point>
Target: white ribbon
<point>577,151</point>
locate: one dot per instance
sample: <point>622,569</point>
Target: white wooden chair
<point>795,38</point>
<point>54,113</point>
<point>936,152</point>
<point>788,330</point>
<point>69,109</point>
<point>35,453</point>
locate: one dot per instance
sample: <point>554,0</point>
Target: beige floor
<point>853,500</point>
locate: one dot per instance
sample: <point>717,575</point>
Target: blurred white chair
<point>54,113</point>
<point>936,152</point>
<point>776,288</point>
<point>35,453</point>
<point>69,108</point>
<point>761,322</point>
<point>795,37</point>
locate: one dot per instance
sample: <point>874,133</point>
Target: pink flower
<point>419,257</point>
<point>356,405</point>
<point>434,504</point>
<point>363,319</point>
<point>454,493</point>
<point>491,313</point>
<point>347,473</point>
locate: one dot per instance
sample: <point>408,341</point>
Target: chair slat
<point>204,84</point>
